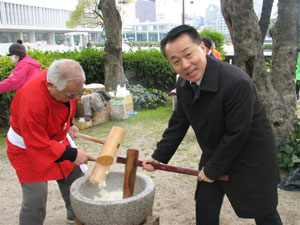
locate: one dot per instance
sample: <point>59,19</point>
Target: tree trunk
<point>285,35</point>
<point>113,63</point>
<point>264,21</point>
<point>275,87</point>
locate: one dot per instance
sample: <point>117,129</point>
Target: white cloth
<point>83,167</point>
<point>15,139</point>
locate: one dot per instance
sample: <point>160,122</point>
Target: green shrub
<point>289,150</point>
<point>147,98</point>
<point>144,43</point>
<point>149,68</point>
<point>6,67</point>
<point>46,58</point>
<point>91,60</point>
<point>267,46</point>
<point>145,67</point>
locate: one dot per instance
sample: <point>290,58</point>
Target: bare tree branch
<point>265,18</point>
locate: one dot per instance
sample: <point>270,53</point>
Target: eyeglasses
<point>70,95</point>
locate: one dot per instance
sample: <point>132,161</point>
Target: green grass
<point>3,132</point>
<point>143,130</point>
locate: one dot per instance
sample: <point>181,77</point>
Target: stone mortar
<point>129,211</point>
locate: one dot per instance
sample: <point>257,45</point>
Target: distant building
<point>211,16</point>
<point>146,31</point>
<point>198,21</point>
<point>145,11</point>
<point>214,17</point>
<point>215,20</point>
<point>168,11</point>
<point>34,23</point>
<point>221,26</point>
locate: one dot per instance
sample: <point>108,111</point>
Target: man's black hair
<point>207,42</point>
<point>173,34</point>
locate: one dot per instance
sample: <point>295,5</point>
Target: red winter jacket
<point>43,124</point>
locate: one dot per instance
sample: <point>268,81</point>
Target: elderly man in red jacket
<point>219,101</point>
<point>40,147</point>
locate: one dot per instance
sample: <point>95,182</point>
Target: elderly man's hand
<point>83,157</point>
<point>72,131</point>
<point>203,177</point>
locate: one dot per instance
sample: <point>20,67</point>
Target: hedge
<point>144,67</point>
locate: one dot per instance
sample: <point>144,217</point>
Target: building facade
<point>145,11</point>
<point>146,31</point>
<point>35,23</point>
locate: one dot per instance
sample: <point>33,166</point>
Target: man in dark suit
<point>221,104</point>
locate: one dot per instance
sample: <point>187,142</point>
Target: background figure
<point>89,44</point>
<point>298,77</point>
<point>206,44</point>
<point>215,52</point>
<point>173,93</point>
<point>26,69</point>
<point>208,47</point>
<point>19,41</point>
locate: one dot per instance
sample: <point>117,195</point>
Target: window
<point>141,37</point>
<point>153,36</point>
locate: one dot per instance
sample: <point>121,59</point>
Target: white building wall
<point>18,16</point>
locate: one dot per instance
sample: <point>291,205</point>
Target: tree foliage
<point>86,14</point>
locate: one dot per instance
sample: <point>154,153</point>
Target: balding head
<point>63,71</point>
<point>65,79</point>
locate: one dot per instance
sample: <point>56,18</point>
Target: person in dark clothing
<point>231,128</point>
<point>298,76</point>
<point>19,41</point>
<point>206,42</point>
<point>208,46</point>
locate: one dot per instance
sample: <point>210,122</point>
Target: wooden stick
<point>130,173</point>
<point>169,168</point>
<point>89,138</point>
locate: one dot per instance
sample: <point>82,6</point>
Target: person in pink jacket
<point>25,69</point>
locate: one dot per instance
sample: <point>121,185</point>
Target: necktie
<point>194,86</point>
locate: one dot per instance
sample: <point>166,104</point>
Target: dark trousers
<point>209,199</point>
<point>297,88</point>
<point>33,209</point>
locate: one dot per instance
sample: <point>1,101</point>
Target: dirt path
<point>174,193</point>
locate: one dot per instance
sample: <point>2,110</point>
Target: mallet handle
<point>169,168</point>
<point>89,138</point>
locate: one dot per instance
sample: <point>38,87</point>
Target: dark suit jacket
<point>233,133</point>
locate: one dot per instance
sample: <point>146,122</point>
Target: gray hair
<point>63,70</point>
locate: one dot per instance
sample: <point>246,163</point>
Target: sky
<point>198,7</point>
<point>71,4</point>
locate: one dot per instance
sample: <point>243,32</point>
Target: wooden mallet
<point>107,155</point>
